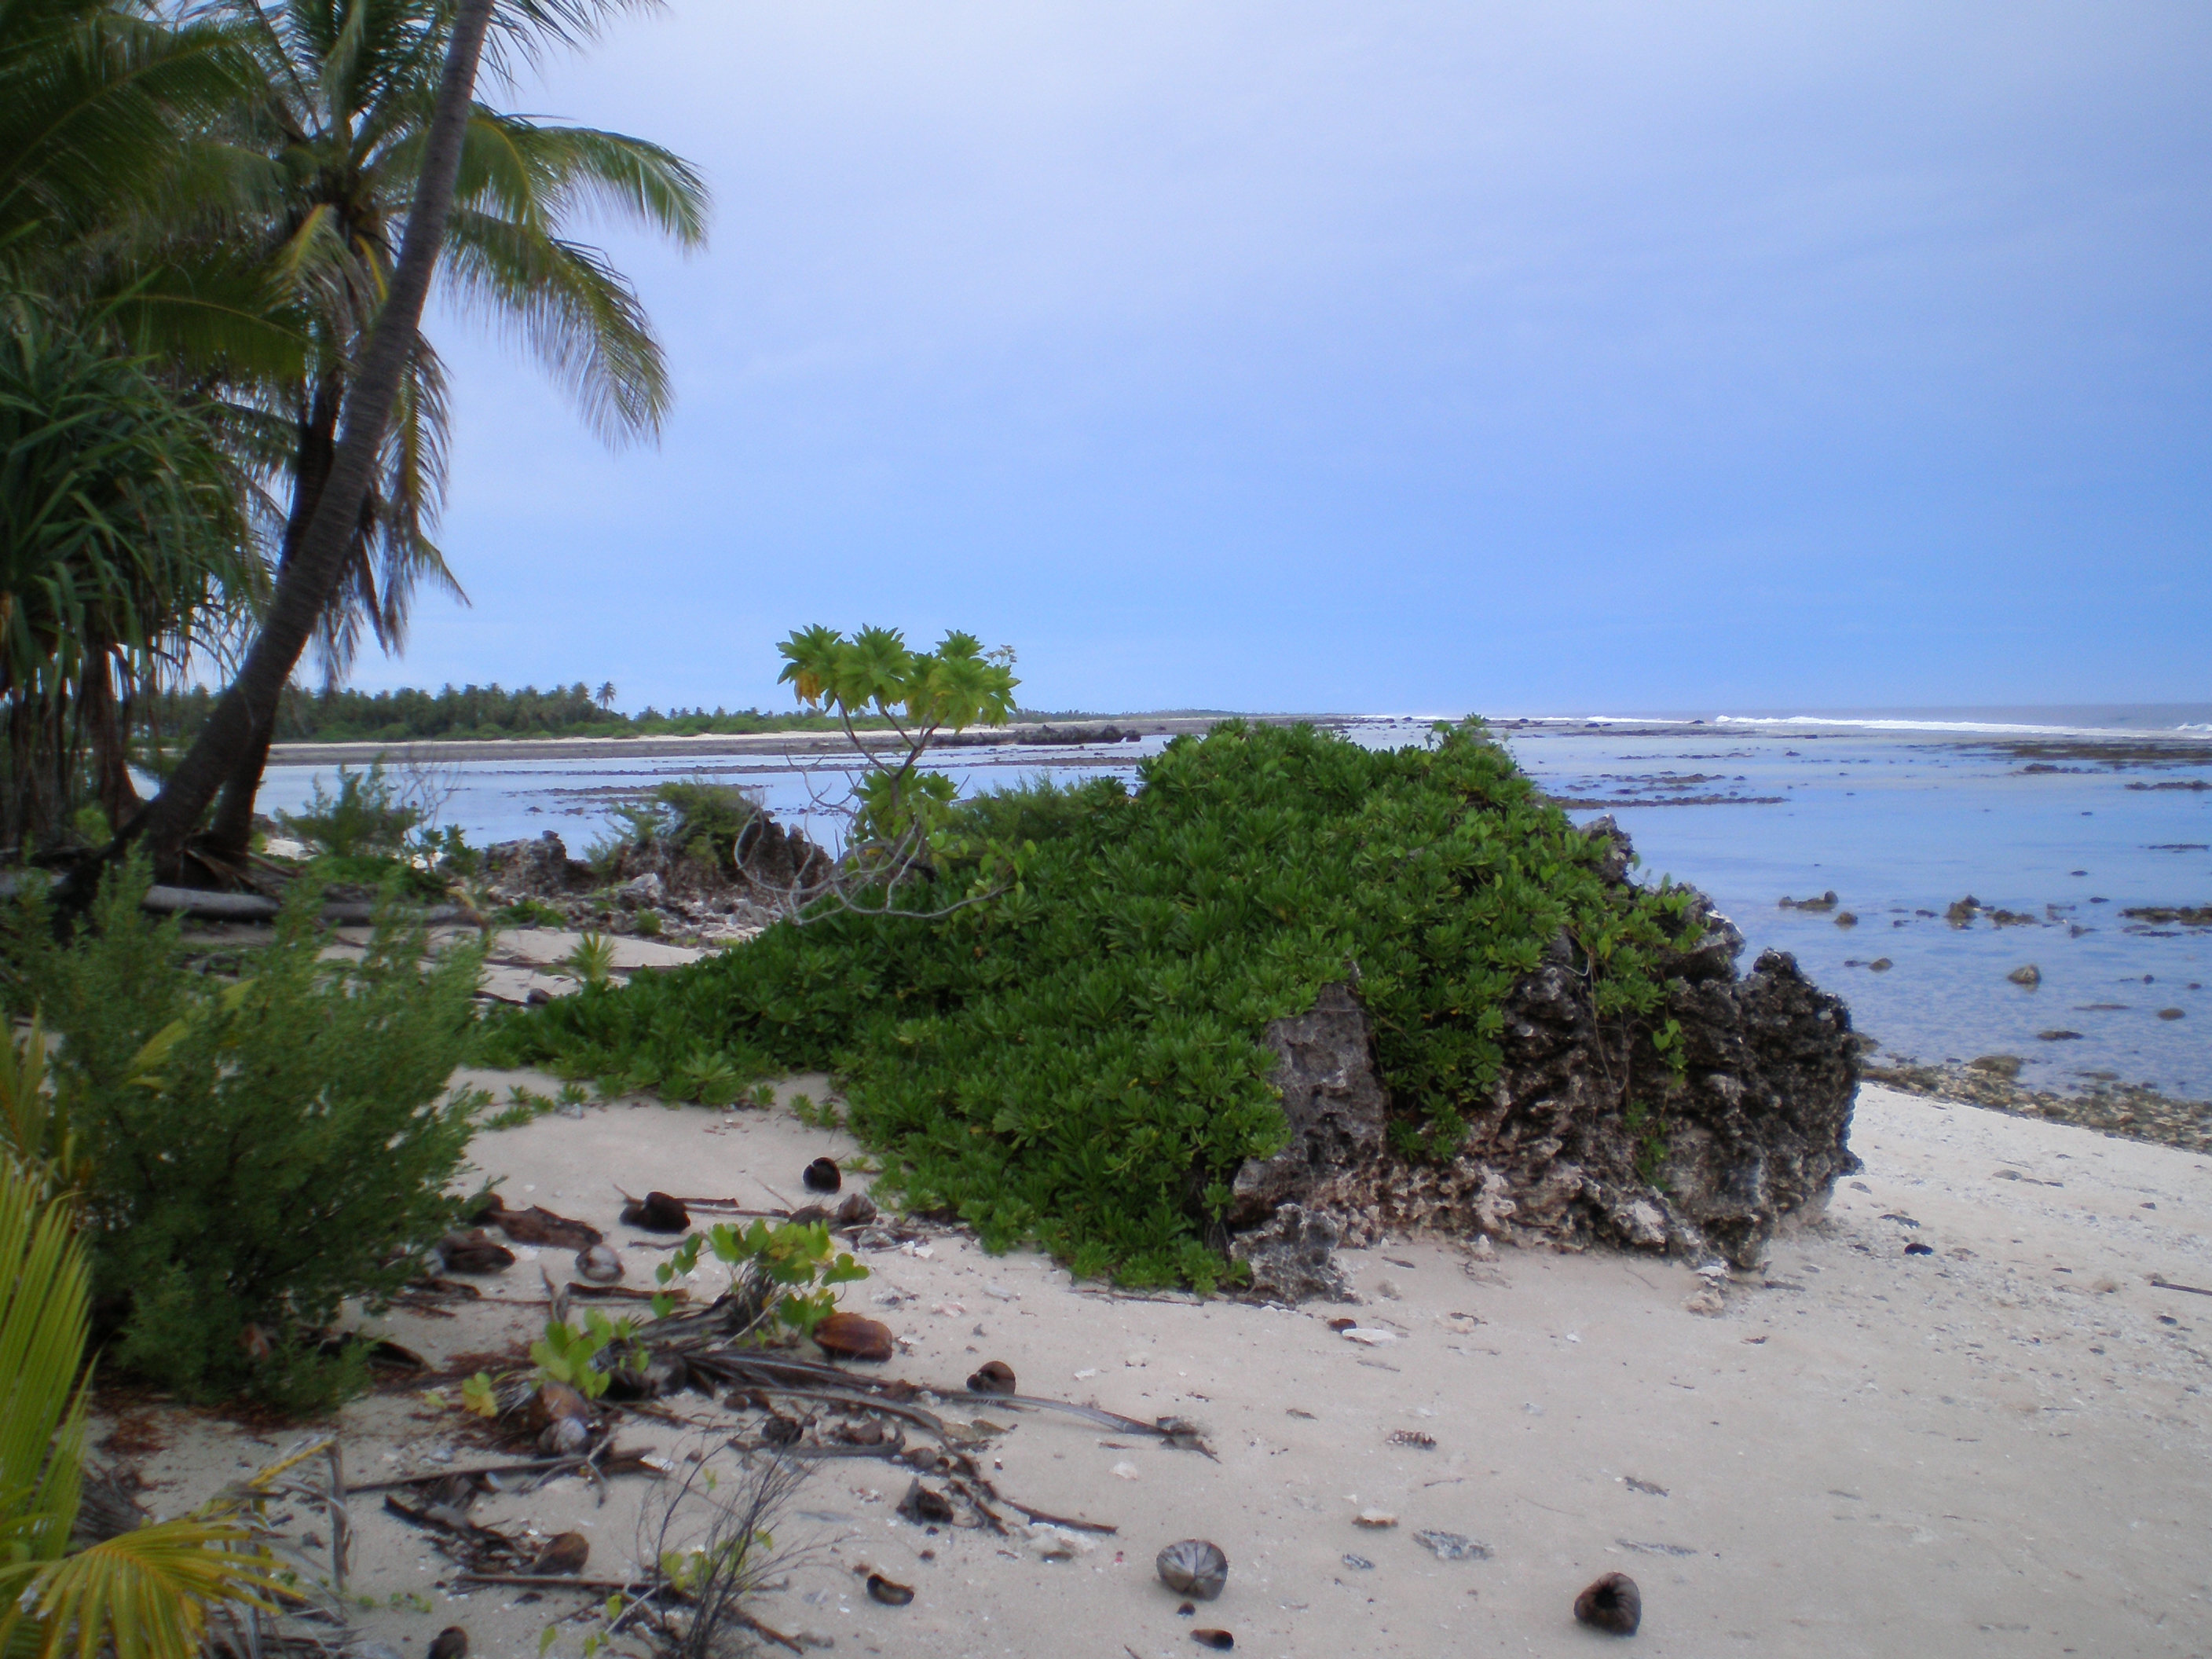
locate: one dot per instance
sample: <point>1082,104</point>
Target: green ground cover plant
<point>253,1150</point>
<point>1078,1060</point>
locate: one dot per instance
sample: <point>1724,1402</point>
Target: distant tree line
<point>465,711</point>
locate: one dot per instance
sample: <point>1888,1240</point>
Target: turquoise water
<point>1898,815</point>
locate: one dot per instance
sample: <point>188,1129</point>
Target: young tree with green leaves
<point>900,814</point>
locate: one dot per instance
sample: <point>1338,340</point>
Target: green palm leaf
<point>145,1594</point>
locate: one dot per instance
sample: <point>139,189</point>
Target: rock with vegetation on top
<point>1759,1129</point>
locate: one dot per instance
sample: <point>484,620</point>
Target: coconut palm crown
<point>323,167</point>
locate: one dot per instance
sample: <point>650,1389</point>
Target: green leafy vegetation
<point>1077,1059</point>
<point>365,816</point>
<point>786,1272</point>
<point>570,1353</point>
<point>142,1592</point>
<point>252,1152</point>
<point>339,715</point>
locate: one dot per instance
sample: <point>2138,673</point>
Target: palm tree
<point>96,99</point>
<point>121,538</point>
<point>316,171</point>
<point>607,695</point>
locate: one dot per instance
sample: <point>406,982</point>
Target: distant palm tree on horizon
<point>607,695</point>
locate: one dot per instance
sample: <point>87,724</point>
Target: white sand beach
<point>1995,1447</point>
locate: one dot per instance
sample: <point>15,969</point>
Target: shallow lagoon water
<point>1899,819</point>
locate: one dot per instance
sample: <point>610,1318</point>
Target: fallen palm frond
<point>145,1593</point>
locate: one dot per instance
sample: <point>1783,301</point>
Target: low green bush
<point>367,817</point>
<point>1078,1060</point>
<point>260,1149</point>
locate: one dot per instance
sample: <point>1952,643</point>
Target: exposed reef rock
<point>1757,1131</point>
<point>1292,1258</point>
<point>769,869</point>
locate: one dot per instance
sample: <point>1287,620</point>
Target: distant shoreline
<point>1042,732</point>
<point>2179,744</point>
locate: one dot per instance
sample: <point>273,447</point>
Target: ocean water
<point>2061,818</point>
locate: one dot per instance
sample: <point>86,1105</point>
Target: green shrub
<point>705,819</point>
<point>367,817</point>
<point>260,1149</point>
<point>529,913</point>
<point>1078,1060</point>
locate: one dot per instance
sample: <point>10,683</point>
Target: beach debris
<point>1388,1291</point>
<point>1706,1299</point>
<point>535,1225</point>
<point>777,1430</point>
<point>822,1176</point>
<point>1343,1323</point>
<point>1369,1336</point>
<point>1052,1543</point>
<point>1292,1258</point>
<point>1899,1217</point>
<point>1452,1546</point>
<point>853,1336</point>
<point>1220,1639</point>
<point>1125,1470</point>
<point>1359,1564</point>
<point>2168,1285</point>
<point>473,1252</point>
<point>563,1556</point>
<point>1645,1487</point>
<point>1612,1604</point>
<point>1375,1519</point>
<point>891,1594</point>
<point>858,1210</point>
<point>2028,975</point>
<point>925,1506</point>
<point>1918,1248</point>
<point>562,1419</point>
<point>993,1377</point>
<point>451,1643</point>
<point>1191,1567</point>
<point>656,1213</point>
<point>598,1264</point>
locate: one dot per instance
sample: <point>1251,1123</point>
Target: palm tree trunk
<point>303,588</point>
<point>107,734</point>
<point>230,835</point>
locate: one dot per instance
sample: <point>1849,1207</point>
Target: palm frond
<point>147,1593</point>
<point>567,305</point>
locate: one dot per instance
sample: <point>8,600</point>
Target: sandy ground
<point>1997,1447</point>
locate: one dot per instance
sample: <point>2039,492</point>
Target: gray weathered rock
<point>1758,1131</point>
<point>540,868</point>
<point>1292,1258</point>
<point>1332,1098</point>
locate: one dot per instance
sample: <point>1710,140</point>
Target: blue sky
<point>1564,357</point>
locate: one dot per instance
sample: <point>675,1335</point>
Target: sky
<point>1564,357</point>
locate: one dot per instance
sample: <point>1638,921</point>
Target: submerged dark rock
<point>1757,1131</point>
